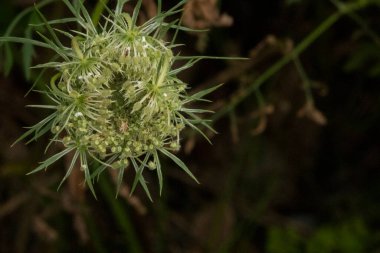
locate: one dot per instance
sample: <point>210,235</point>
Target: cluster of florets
<point>118,96</point>
<point>117,100</point>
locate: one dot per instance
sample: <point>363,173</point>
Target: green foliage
<point>283,240</point>
<point>350,237</point>
<point>365,59</point>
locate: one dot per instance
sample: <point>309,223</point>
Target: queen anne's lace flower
<point>117,99</point>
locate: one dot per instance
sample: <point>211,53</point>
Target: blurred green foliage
<point>365,59</point>
<point>273,182</point>
<point>350,237</point>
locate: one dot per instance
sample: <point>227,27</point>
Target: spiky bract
<point>117,98</point>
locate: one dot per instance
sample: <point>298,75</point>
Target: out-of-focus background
<point>294,168</point>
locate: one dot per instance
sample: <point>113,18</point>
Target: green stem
<point>323,27</point>
<point>359,21</point>
<point>93,230</point>
<point>305,80</point>
<point>260,98</point>
<point>121,217</point>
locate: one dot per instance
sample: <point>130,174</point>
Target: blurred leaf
<point>283,240</point>
<point>374,71</point>
<point>349,237</point>
<point>324,240</point>
<point>291,2</point>
<point>368,54</point>
<point>28,48</point>
<point>7,35</point>
<point>8,64</point>
<point>353,237</point>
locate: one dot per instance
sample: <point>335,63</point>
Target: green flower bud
<point>152,165</point>
<point>117,94</point>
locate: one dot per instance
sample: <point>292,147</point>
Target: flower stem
<point>302,46</point>
<point>305,80</point>
<point>121,216</point>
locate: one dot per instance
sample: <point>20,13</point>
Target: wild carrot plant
<point>117,101</point>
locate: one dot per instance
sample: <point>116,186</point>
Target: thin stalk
<point>305,81</point>
<point>96,238</point>
<point>359,21</point>
<point>121,217</point>
<point>302,46</point>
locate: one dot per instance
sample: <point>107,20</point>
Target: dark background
<point>279,177</point>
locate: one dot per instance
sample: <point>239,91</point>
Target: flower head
<point>117,98</point>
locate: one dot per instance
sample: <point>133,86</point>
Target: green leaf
<point>119,180</point>
<point>25,41</point>
<point>54,107</point>
<point>184,28</point>
<point>195,110</point>
<point>70,169</point>
<point>98,11</point>
<point>163,29</point>
<point>141,180</point>
<point>39,77</point>
<point>199,95</point>
<point>187,65</point>
<point>119,6</point>
<point>36,128</point>
<point>205,57</point>
<point>103,165</point>
<point>68,35</point>
<point>52,160</point>
<point>55,22</point>
<point>136,12</point>
<point>87,174</point>
<point>139,172</point>
<point>53,46</point>
<point>8,59</point>
<point>159,172</point>
<point>159,6</point>
<point>22,15</point>
<point>49,28</point>
<point>28,50</point>
<point>76,13</point>
<point>87,17</point>
<point>48,65</point>
<point>203,122</point>
<point>194,127</point>
<point>179,163</point>
<point>174,8</point>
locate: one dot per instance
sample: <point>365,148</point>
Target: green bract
<point>117,98</point>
